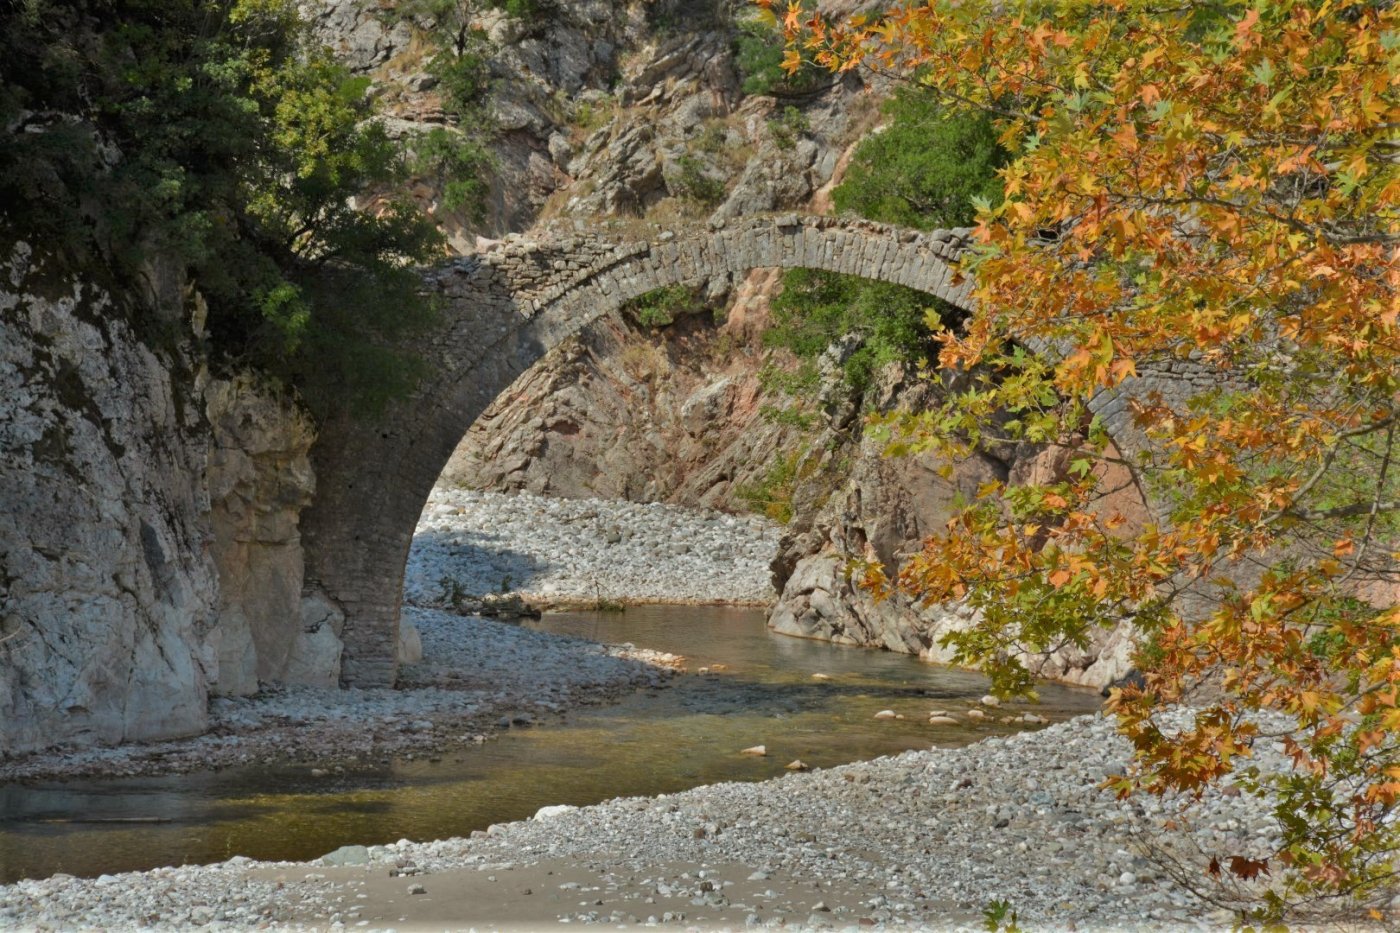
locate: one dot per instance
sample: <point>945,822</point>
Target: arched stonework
<point>504,310</point>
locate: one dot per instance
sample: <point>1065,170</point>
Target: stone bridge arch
<point>505,309</point>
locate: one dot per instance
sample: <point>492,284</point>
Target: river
<point>761,692</point>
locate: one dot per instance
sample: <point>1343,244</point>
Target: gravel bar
<point>476,673</point>
<point>561,551</point>
<point>922,840</point>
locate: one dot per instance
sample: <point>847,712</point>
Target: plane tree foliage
<point>1206,187</point>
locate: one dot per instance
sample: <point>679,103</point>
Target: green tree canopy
<point>929,167</point>
<point>216,134</point>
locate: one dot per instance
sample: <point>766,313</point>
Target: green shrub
<point>459,164</point>
<point>771,494</point>
<point>817,309</point>
<point>589,115</point>
<point>536,11</point>
<point>926,168</point>
<point>788,127</point>
<point>211,133</point>
<point>759,48</point>
<point>712,138</point>
<point>463,74</point>
<point>694,185</point>
<point>661,307</point>
<point>788,417</point>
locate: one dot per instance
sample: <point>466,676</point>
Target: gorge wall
<point>108,589</point>
<point>149,545</point>
<point>627,411</point>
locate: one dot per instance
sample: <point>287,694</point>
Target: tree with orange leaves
<point>1202,187</point>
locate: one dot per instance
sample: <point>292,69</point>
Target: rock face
<point>883,509</point>
<point>603,109</point>
<point>623,411</point>
<point>107,588</point>
<point>149,546</point>
<point>882,512</point>
<point>259,480</point>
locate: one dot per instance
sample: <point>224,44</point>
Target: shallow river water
<point>650,743</point>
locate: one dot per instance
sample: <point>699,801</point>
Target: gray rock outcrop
<point>107,586</point>
<point>149,547</point>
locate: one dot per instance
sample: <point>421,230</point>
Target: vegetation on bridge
<point>1212,184</point>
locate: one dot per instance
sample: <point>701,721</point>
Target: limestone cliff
<point>259,479</point>
<point>149,547</point>
<point>107,586</point>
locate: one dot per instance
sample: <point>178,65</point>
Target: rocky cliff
<point>107,586</point>
<point>606,112</point>
<point>627,411</point>
<point>149,552</point>
<point>259,479</point>
<point>882,509</point>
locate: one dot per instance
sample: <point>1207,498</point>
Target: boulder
<point>314,657</point>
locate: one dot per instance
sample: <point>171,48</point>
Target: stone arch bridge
<point>504,309</point>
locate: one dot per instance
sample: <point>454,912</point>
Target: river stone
<point>347,855</point>
<point>315,659</point>
<point>410,648</point>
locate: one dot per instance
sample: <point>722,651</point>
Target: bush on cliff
<point>818,309</point>
<point>214,134</point>
<point>928,168</point>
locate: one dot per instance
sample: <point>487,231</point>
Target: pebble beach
<point>923,840</point>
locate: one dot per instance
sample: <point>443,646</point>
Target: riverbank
<point>923,839</point>
<point>477,676</point>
